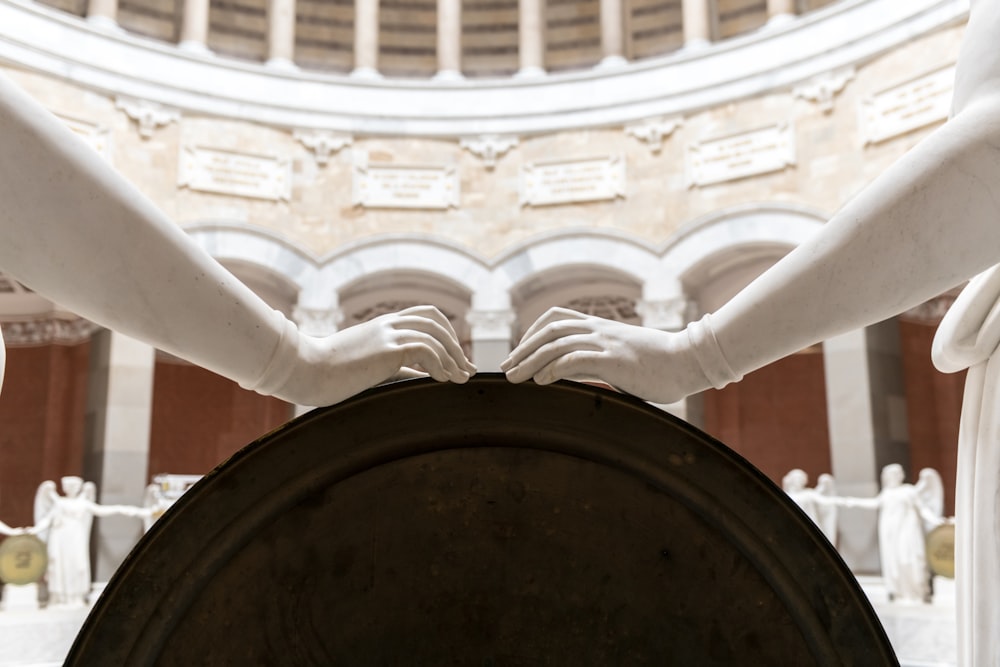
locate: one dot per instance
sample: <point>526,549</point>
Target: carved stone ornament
<point>97,136</point>
<point>323,143</point>
<point>147,115</point>
<point>822,89</point>
<point>489,147</point>
<point>653,131</point>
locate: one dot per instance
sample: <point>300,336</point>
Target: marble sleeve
<point>927,224</point>
<point>75,231</point>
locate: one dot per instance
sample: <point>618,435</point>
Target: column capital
<point>669,314</point>
<point>493,324</point>
<point>317,321</point>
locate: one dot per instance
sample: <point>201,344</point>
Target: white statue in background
<point>928,223</point>
<point>794,483</point>
<point>826,509</point>
<point>930,488</point>
<point>78,233</point>
<point>63,523</point>
<point>902,541</point>
<point>818,505</point>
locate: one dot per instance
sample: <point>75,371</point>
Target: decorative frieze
<point>572,181</point>
<point>147,115</point>
<point>97,136</point>
<point>323,143</point>
<point>233,173</point>
<point>653,131</point>
<point>47,331</point>
<point>389,185</point>
<point>824,88</point>
<point>489,147</point>
<point>908,106</point>
<point>736,156</point>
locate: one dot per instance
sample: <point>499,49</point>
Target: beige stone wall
<point>831,166</point>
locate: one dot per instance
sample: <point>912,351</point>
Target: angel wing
<point>931,491</point>
<point>89,491</point>
<point>45,500</point>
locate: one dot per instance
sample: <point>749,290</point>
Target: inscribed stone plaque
<point>908,106</point>
<point>572,181</point>
<point>97,136</point>
<point>737,156</point>
<point>232,173</point>
<point>389,185</point>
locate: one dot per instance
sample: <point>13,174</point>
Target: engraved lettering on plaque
<point>97,136</point>
<point>572,181</point>
<point>232,173</point>
<point>738,156</point>
<point>908,106</point>
<point>389,185</point>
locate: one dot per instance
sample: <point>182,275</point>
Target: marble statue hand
<point>322,371</point>
<point>658,366</point>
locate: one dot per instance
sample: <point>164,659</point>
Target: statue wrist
<point>283,361</point>
<point>709,355</point>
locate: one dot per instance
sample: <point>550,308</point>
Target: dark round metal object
<point>486,524</point>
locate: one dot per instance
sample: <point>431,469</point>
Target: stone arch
<point>592,271</point>
<point>268,263</point>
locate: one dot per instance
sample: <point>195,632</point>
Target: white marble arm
<point>76,232</point>
<point>927,224</point>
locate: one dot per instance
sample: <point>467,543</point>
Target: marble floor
<point>922,634</point>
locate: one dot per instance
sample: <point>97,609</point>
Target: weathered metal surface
<point>485,524</point>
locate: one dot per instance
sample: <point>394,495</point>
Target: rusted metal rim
<point>426,523</point>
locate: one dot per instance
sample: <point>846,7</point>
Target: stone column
<point>671,314</point>
<point>491,337</point>
<point>103,12</point>
<point>612,34</point>
<point>697,27</point>
<point>531,36</point>
<point>449,40</point>
<point>116,440</point>
<point>194,26</point>
<point>866,409</point>
<point>780,11</point>
<point>281,34</point>
<point>366,30</point>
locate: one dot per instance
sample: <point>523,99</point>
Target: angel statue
<point>826,512</point>
<point>63,523</point>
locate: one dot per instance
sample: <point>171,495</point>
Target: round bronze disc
<point>484,524</point>
<point>941,550</point>
<point>23,559</point>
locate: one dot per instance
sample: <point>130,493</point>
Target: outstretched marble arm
<point>927,224</point>
<point>72,229</point>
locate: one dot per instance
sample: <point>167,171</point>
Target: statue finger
<point>444,335</point>
<point>551,315</point>
<point>575,365</point>
<point>543,355</point>
<point>551,332</point>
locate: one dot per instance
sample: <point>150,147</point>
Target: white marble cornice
<point>841,35</point>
